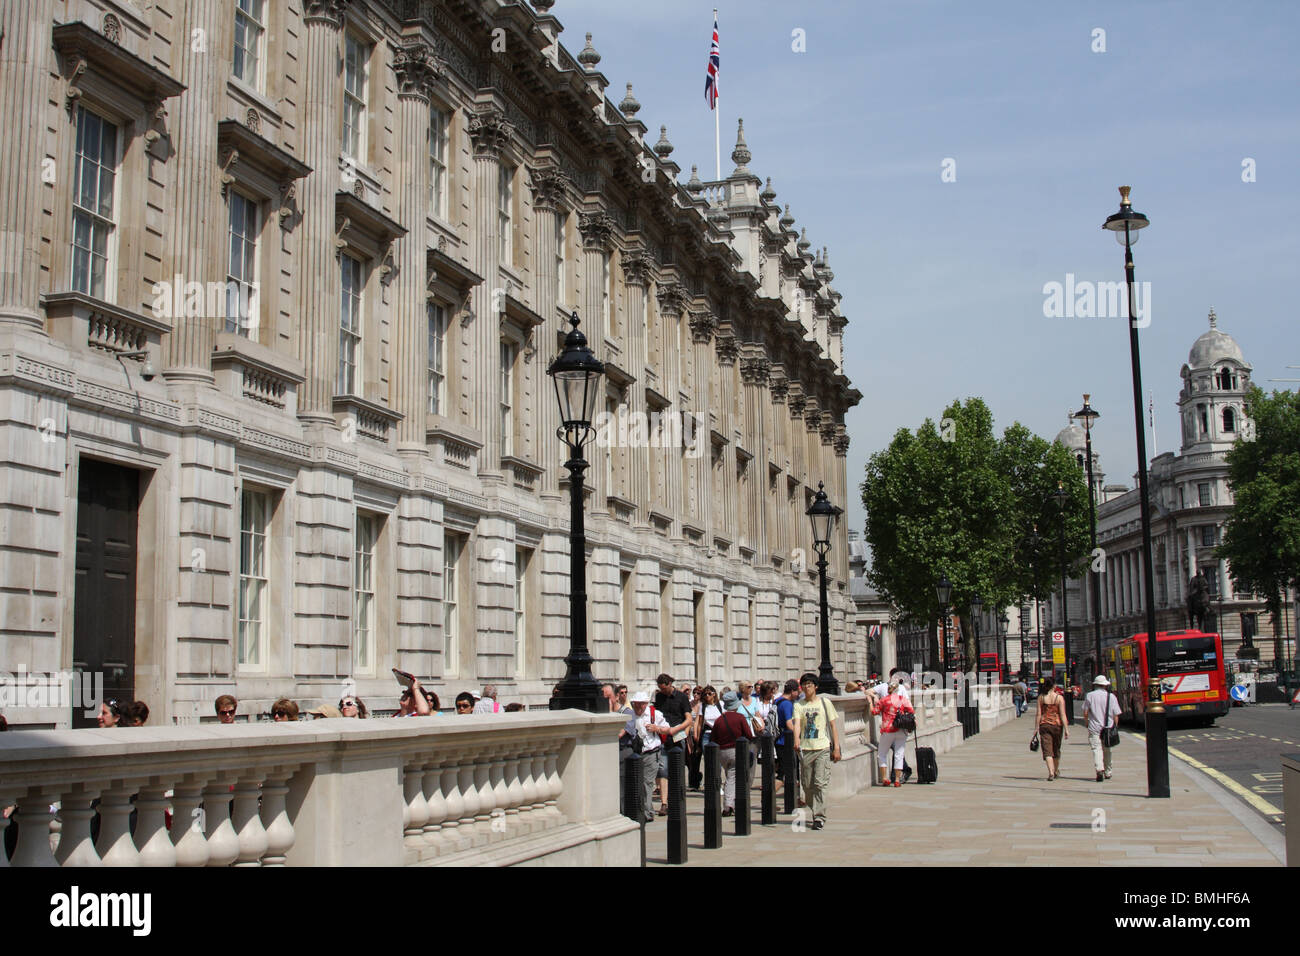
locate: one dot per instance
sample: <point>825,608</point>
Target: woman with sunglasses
<point>353,706</point>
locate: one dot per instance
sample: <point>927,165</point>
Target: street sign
<point>1058,647</point>
<point>1241,693</point>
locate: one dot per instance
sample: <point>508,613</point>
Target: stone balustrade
<point>483,790</point>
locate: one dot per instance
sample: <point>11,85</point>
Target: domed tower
<point>1212,402</point>
<point>1076,443</point>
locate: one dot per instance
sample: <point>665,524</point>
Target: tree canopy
<point>955,500</point>
<point>1261,539</point>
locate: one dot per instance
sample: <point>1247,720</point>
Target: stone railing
<point>484,790</point>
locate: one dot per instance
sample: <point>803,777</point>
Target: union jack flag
<point>711,79</point>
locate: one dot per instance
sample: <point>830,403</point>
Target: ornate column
<point>597,229</point>
<point>551,192</point>
<point>26,61</point>
<point>195,251</point>
<point>318,265</point>
<point>703,325</point>
<point>755,374</point>
<point>672,302</point>
<point>638,268</point>
<point>490,134</point>
<point>416,68</point>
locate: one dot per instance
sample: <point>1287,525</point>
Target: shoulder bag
<point>1109,734</point>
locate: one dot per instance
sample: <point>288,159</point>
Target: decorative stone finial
<point>543,6</point>
<point>768,192</point>
<point>1214,319</point>
<point>629,107</point>
<point>663,148</point>
<point>787,220</point>
<point>695,186</point>
<point>827,274</point>
<point>588,56</point>
<point>741,155</point>
<point>803,243</point>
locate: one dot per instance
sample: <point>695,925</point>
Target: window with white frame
<point>1203,494</point>
<point>561,252</point>
<point>93,188</point>
<point>254,528</point>
<point>349,381</point>
<point>437,340</point>
<point>1209,536</point>
<point>508,351</point>
<point>363,593</point>
<point>523,558</point>
<point>241,270</point>
<point>505,204</point>
<point>439,122</point>
<point>355,59</point>
<point>452,547</point>
<point>250,29</point>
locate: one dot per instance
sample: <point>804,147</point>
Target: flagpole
<point>717,126</point>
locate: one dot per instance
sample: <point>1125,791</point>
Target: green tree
<point>1261,539</point>
<point>954,500</point>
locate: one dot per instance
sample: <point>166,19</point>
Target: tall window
<point>363,593</point>
<point>1203,493</point>
<point>355,58</point>
<point>1209,536</point>
<point>95,174</point>
<point>437,331</point>
<point>254,523</point>
<point>523,557</point>
<point>250,27</point>
<point>451,552</point>
<point>350,327</point>
<point>507,399</point>
<point>611,409</point>
<point>438,124</point>
<point>1205,419</point>
<point>561,251</point>
<point>505,203</point>
<point>606,294</point>
<point>241,272</point>
<point>626,619</point>
<point>1229,420</point>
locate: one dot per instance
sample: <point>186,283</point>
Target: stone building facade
<point>279,283</point>
<point>1191,502</point>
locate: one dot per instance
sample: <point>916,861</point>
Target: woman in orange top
<point>1051,725</point>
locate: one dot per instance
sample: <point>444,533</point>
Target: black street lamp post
<point>1125,225</point>
<point>1004,666</point>
<point>1061,498</point>
<point>577,373</point>
<point>943,591</point>
<point>824,517</point>
<point>1090,415</point>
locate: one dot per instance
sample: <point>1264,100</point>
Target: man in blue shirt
<point>784,711</point>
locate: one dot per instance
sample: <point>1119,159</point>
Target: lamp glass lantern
<point>576,373</point>
<point>1126,223</point>
<point>943,591</point>
<point>824,517</point>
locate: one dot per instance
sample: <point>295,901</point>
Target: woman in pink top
<point>891,738</point>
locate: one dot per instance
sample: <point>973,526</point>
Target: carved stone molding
<point>755,370</point>
<point>829,430</point>
<point>329,12</point>
<point>727,350</point>
<point>672,298</point>
<point>551,187</point>
<point>490,132</point>
<point>253,120</point>
<point>779,388</point>
<point>417,68</point>
<point>638,267</point>
<point>597,229</point>
<point>703,325</point>
<point>841,446</point>
<point>112,28</point>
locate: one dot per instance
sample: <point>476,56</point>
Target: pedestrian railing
<point>490,789</point>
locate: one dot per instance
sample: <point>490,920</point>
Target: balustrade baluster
<point>542,820</point>
<point>514,794</point>
<point>187,824</point>
<point>280,836</point>
<point>416,811</point>
<point>248,823</point>
<point>500,798</point>
<point>486,801</point>
<point>527,815</point>
<point>151,827</point>
<point>437,804</point>
<point>34,816</point>
<point>115,845</point>
<point>221,838</point>
<point>75,846</point>
<point>555,786</point>
<point>450,834</point>
<point>469,797</point>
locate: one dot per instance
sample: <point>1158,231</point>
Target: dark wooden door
<point>108,499</point>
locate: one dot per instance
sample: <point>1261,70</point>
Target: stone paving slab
<point>993,806</point>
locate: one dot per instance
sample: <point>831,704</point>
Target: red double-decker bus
<point>1192,678</point>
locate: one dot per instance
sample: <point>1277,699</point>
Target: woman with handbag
<point>1051,725</point>
<point>1102,710</point>
<point>894,728</point>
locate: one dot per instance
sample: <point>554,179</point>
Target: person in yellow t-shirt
<point>817,740</point>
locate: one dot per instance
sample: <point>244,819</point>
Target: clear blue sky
<point>943,282</point>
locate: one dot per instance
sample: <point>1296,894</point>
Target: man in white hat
<point>1101,708</point>
<point>649,725</point>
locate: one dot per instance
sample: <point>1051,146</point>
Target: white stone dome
<point>1213,347</point>
<point>1072,437</point>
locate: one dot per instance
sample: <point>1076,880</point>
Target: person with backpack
<point>650,726</point>
<point>818,744</point>
<point>893,737</point>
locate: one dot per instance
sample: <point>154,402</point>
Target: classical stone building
<point>1191,501</point>
<point>279,284</point>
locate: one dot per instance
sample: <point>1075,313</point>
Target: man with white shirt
<point>1102,709</point>
<point>487,704</point>
<point>649,725</point>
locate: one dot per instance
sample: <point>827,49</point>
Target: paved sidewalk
<point>993,806</point>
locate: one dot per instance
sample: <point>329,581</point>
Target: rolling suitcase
<point>927,767</point>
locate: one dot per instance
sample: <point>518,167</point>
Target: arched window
<point>1226,379</point>
<point>1229,420</point>
<point>1079,459</point>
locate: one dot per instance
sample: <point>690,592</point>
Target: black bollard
<point>676,805</point>
<point>712,802</point>
<point>769,780</point>
<point>743,778</point>
<point>791,774</point>
<point>634,794</point>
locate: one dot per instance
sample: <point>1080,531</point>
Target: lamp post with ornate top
<point>824,516</point>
